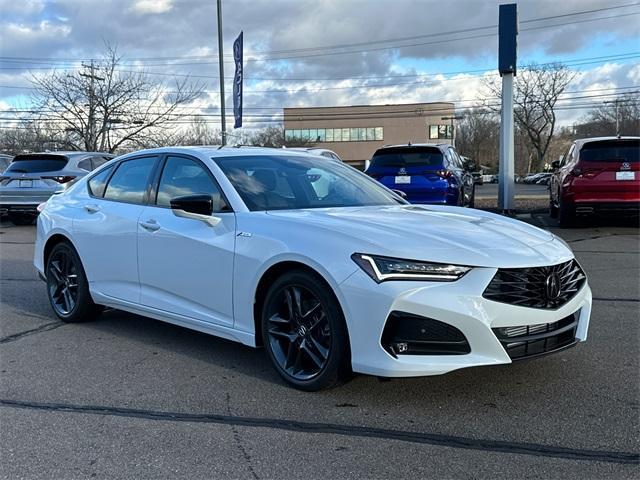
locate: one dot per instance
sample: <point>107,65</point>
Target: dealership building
<point>355,132</point>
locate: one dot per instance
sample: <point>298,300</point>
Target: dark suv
<point>426,173</point>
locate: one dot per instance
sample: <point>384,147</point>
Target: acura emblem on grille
<point>553,286</point>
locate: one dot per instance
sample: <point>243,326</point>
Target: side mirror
<point>195,207</point>
<point>471,167</point>
<point>555,164</point>
<point>399,193</point>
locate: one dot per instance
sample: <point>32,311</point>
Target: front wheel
<point>304,332</point>
<point>67,286</point>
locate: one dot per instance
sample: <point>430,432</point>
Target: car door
<point>106,226</point>
<point>185,264</point>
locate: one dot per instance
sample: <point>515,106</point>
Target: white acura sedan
<point>241,243</point>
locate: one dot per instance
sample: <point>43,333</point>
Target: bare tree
<point>477,136</point>
<point>104,107</point>
<point>602,120</point>
<point>537,89</point>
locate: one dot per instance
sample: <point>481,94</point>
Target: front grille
<point>408,334</point>
<point>533,340</point>
<point>536,287</point>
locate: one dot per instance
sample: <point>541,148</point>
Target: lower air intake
<point>408,334</point>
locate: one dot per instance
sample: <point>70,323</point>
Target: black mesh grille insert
<point>536,287</point>
<point>407,334</point>
<point>533,340</point>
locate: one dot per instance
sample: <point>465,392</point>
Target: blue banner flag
<point>237,82</point>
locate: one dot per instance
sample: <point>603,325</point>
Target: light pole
<point>223,133</point>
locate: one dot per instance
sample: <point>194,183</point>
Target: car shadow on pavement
<point>488,383</point>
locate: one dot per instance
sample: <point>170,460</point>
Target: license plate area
<point>25,183</point>
<point>625,175</point>
<point>403,179</point>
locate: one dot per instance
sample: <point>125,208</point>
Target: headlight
<point>386,268</point>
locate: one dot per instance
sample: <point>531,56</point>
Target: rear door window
<point>611,151</point>
<point>129,181</point>
<point>407,157</point>
<point>37,163</point>
<point>99,161</point>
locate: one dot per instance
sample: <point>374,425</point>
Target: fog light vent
<point>408,334</point>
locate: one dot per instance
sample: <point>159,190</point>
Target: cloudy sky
<point>325,52</point>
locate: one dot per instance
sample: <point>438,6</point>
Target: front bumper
<point>460,304</point>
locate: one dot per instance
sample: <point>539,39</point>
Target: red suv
<point>597,175</point>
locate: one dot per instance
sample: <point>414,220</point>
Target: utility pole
<point>221,63</point>
<point>616,102</point>
<point>92,143</point>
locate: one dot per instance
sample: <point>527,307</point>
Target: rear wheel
<point>304,332</point>
<point>67,286</point>
<point>21,218</point>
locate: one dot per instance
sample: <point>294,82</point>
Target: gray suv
<point>30,179</point>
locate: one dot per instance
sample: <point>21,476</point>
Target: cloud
<point>147,29</point>
<point>151,6</point>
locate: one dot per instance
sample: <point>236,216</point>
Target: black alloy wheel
<point>67,286</point>
<point>304,332</point>
<point>62,281</point>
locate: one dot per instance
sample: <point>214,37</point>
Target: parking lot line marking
<point>440,440</point>
<point>602,299</point>
<point>42,328</point>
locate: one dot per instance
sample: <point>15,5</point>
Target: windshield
<point>37,163</point>
<point>407,156</point>
<point>280,182</point>
<point>611,151</point>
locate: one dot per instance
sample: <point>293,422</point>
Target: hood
<point>437,233</point>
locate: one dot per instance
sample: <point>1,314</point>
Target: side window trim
<point>155,185</point>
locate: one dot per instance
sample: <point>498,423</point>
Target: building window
<point>322,135</point>
<point>440,131</point>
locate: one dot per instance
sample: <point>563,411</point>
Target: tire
<point>21,218</point>
<point>304,332</point>
<point>566,215</point>
<point>472,200</point>
<point>64,273</point>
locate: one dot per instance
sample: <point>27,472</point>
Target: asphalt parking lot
<point>523,190</point>
<point>129,397</point>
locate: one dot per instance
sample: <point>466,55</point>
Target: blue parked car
<point>426,173</point>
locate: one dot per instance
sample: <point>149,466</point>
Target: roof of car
<point>71,153</point>
<point>582,141</point>
<point>415,145</point>
<point>218,151</point>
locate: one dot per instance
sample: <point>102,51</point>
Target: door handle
<point>92,208</point>
<point>150,225</point>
